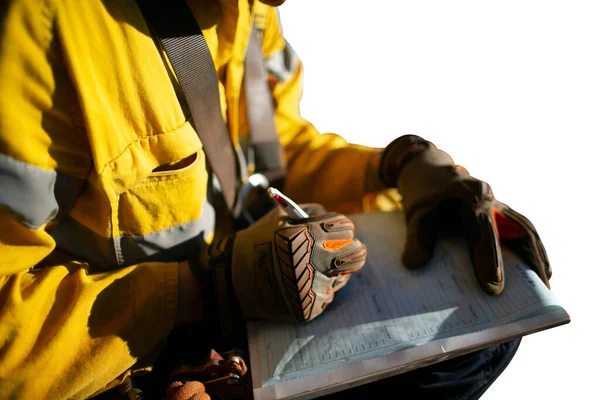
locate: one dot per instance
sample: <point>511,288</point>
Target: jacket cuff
<point>397,154</point>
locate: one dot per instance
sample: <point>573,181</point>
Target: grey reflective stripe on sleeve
<point>171,244</point>
<point>283,63</point>
<point>34,194</point>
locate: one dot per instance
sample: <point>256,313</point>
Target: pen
<point>291,208</point>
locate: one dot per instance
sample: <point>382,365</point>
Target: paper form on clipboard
<point>389,319</point>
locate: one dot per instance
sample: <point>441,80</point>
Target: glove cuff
<point>218,296</point>
<point>397,154</point>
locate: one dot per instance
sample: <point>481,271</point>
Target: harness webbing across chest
<point>189,55</point>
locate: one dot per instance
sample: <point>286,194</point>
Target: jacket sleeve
<point>64,333</point>
<point>322,168</point>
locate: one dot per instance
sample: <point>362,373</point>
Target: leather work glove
<point>283,270</point>
<point>441,198</point>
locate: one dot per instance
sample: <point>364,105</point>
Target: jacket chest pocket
<point>164,216</point>
<point>149,204</point>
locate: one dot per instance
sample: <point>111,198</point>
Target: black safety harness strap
<point>189,55</point>
<point>264,149</point>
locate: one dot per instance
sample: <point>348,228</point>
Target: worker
<point>119,226</point>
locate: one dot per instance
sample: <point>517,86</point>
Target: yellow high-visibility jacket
<point>91,229</point>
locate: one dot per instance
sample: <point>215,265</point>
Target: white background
<point>511,90</point>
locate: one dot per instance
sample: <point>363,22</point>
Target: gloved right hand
<point>441,199</point>
<point>284,270</point>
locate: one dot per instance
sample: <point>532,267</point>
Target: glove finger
<point>322,301</point>
<point>420,239</point>
<point>530,247</point>
<point>459,169</point>
<point>340,281</point>
<point>337,225</point>
<point>329,284</point>
<point>347,256</point>
<point>331,224</point>
<point>338,251</point>
<point>486,254</point>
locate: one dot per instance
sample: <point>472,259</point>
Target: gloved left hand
<point>441,198</point>
<point>286,270</point>
<point>279,269</point>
